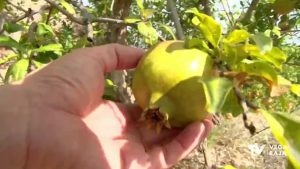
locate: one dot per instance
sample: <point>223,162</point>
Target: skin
<point>56,118</point>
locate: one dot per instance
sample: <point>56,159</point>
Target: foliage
<point>257,56</point>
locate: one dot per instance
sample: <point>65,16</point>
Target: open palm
<point>71,126</point>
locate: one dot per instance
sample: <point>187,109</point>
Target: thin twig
<point>16,6</point>
<point>110,20</point>
<point>204,154</point>
<point>31,38</point>
<point>30,13</point>
<point>248,125</point>
<point>49,14</point>
<point>228,16</point>
<point>230,12</point>
<point>161,38</point>
<point>266,128</point>
<point>297,30</point>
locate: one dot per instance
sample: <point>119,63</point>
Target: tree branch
<point>248,125</point>
<point>229,11</point>
<point>110,20</point>
<point>83,20</point>
<point>243,102</point>
<point>49,14</point>
<point>266,128</point>
<point>82,9</point>
<point>30,13</point>
<point>248,15</point>
<point>89,30</point>
<point>286,31</point>
<point>172,7</point>
<point>31,38</point>
<point>72,17</point>
<point>227,14</point>
<point>17,7</point>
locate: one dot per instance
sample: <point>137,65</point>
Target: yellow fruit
<point>167,84</point>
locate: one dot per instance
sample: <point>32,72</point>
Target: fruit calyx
<point>155,119</point>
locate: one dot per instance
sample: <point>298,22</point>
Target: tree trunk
<point>117,34</point>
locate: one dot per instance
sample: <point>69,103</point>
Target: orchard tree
<point>254,46</point>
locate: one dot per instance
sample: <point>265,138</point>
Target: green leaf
<point>237,36</point>
<point>286,129</point>
<point>209,28</point>
<point>168,29</point>
<point>38,64</point>
<point>267,32</point>
<point>9,42</point>
<point>276,31</point>
<point>263,42</point>
<point>258,68</point>
<point>216,89</point>
<point>49,47</point>
<point>8,58</point>
<point>232,104</point>
<point>132,19</point>
<point>233,53</point>
<point>295,88</point>
<point>46,57</point>
<point>149,33</point>
<point>283,81</point>
<point>199,44</point>
<point>140,5</point>
<point>147,13</point>
<point>110,90</point>
<point>81,42</point>
<point>275,56</point>
<point>12,27</point>
<point>17,71</point>
<point>44,29</point>
<point>67,6</point>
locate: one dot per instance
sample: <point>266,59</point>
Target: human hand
<point>71,126</point>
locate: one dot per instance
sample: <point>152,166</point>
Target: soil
<point>229,144</point>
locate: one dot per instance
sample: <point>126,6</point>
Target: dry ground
<point>229,143</point>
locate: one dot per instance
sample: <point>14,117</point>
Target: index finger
<point>118,57</point>
<point>76,79</point>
